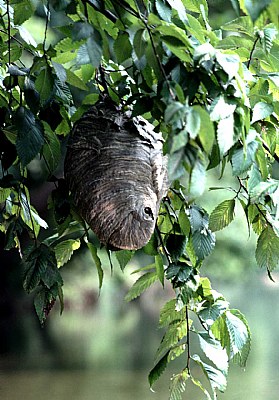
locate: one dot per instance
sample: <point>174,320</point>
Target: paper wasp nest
<point>116,174</point>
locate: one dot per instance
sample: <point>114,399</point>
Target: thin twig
<point>46,28</point>
<point>162,244</point>
<point>188,340</point>
<point>251,52</point>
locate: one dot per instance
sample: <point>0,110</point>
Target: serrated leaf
<point>123,257</point>
<point>97,261</point>
<point>267,251</point>
<point>216,378</point>
<point>43,302</point>
<point>64,251</point>
<point>203,243</point>
<point>241,357</point>
<point>222,215</point>
<point>157,371</point>
<point>151,248</point>
<point>261,111</point>
<point>237,331</point>
<point>40,266</point>
<point>221,109</point>
<point>178,385</point>
<point>169,314</point>
<point>4,194</point>
<point>143,283</point>
<point>176,244</point>
<point>179,7</point>
<point>211,312</point>
<point>175,332</point>
<point>30,135</point>
<point>243,160</point>
<point>214,351</point>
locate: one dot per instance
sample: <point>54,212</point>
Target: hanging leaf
<point>222,215</point>
<point>64,251</point>
<point>214,351</point>
<point>122,47</point>
<point>51,149</point>
<point>178,385</point>
<point>143,283</point>
<point>203,243</point>
<point>159,265</point>
<point>216,378</point>
<point>238,333</point>
<point>96,258</point>
<point>267,251</point>
<point>30,135</point>
<point>157,371</point>
<point>242,160</point>
<point>123,257</point>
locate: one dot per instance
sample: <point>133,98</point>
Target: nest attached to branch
<point>116,174</point>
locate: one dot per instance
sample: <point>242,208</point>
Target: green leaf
<point>225,134</point>
<point>238,333</point>
<point>51,149</point>
<point>220,331</point>
<point>151,248</point>
<point>30,135</point>
<point>241,25</point>
<point>97,261</point>
<point>214,351</point>
<point>40,266</point>
<point>64,251</point>
<point>44,83</point>
<point>159,265</point>
<point>222,215</point>
<point>122,47</point>
<point>178,273</point>
<point>203,243</point>
<point>197,179</point>
<point>123,257</point>
<point>74,80</point>
<point>23,10</point>
<point>193,122</point>
<point>175,332</point>
<point>43,301</point>
<point>170,314</point>
<point>269,34</point>
<point>140,43</point>
<point>4,194</point>
<point>157,371</point>
<point>216,378</point>
<point>221,109</point>
<point>184,222</point>
<point>164,10</point>
<point>178,385</point>
<point>242,159</point>
<point>211,312</point>
<point>229,62</point>
<point>143,283</point>
<point>179,7</point>
<point>175,244</point>
<point>267,251</point>
<point>207,132</point>
<point>261,111</point>
<point>241,357</point>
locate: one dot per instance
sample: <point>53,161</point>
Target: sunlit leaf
<point>222,215</point>
<point>64,250</point>
<point>143,283</point>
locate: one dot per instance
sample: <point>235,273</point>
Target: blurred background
<point>102,347</point>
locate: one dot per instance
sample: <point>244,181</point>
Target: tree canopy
<point>213,93</point>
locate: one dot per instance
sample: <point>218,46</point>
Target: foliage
<point>214,96</point>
